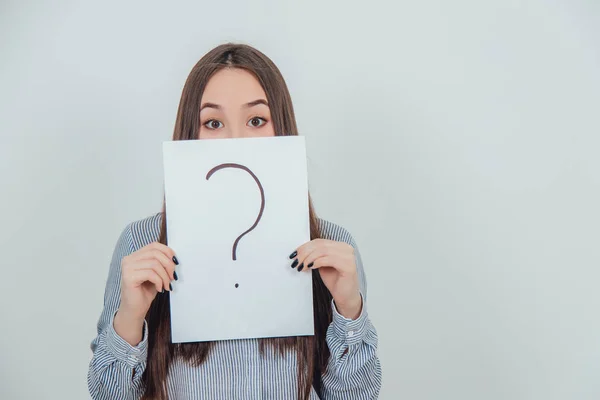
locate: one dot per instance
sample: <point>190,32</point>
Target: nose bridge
<point>235,131</point>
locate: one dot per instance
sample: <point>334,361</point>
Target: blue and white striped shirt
<point>235,369</point>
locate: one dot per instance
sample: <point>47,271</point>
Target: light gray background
<point>458,141</point>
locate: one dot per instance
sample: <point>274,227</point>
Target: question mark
<point>262,202</point>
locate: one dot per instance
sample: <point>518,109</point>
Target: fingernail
<point>170,287</point>
<point>295,263</point>
<point>162,291</point>
<point>294,254</point>
<point>310,265</point>
<point>175,275</point>
<point>300,267</point>
<point>175,260</point>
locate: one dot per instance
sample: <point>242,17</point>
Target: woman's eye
<point>256,122</point>
<point>213,124</point>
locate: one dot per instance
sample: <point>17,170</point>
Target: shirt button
<point>350,333</point>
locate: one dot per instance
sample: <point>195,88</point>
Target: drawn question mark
<point>262,202</point>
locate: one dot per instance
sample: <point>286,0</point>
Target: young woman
<point>234,91</point>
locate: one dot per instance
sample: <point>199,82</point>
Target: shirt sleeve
<point>116,368</point>
<point>354,369</point>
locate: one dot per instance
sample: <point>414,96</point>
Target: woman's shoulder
<point>332,231</point>
<point>144,231</point>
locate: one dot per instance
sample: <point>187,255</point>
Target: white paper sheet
<point>204,218</point>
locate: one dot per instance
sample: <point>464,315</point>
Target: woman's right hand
<point>144,273</point>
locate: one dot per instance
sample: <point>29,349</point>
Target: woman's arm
<point>354,370</point>
<point>116,368</point>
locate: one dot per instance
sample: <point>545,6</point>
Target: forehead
<point>231,86</point>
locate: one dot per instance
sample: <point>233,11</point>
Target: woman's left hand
<point>337,266</point>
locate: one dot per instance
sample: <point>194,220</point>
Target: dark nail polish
<point>300,267</point>
<point>170,287</point>
<point>294,254</point>
<point>295,263</point>
<point>162,291</point>
<point>175,260</point>
<point>310,265</point>
<point>175,275</point>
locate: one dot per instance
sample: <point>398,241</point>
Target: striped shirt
<point>235,369</point>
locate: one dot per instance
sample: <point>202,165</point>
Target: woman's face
<point>234,105</point>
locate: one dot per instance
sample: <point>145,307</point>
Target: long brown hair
<point>312,351</point>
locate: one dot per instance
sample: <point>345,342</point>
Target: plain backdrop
<point>457,141</point>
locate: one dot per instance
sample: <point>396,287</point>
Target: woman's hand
<point>337,266</point>
<point>144,273</point>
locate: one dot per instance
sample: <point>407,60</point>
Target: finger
<point>324,261</point>
<point>167,263</point>
<point>300,254</point>
<point>157,267</point>
<point>169,252</point>
<point>340,257</point>
<point>319,248</point>
<point>307,255</point>
<point>308,247</point>
<point>166,250</point>
<point>138,277</point>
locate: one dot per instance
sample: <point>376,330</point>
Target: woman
<point>234,91</point>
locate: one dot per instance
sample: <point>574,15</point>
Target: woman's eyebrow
<point>247,105</point>
<point>256,102</point>
<point>210,105</point>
